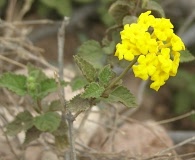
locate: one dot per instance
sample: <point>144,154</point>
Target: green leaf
<point>31,135</point>
<point>186,56</point>
<point>15,83</point>
<point>63,7</point>
<point>93,90</point>
<point>105,75</point>
<point>129,20</point>
<point>78,83</point>
<point>154,7</point>
<point>109,48</point>
<point>2,3</point>
<point>91,51</point>
<point>78,104</point>
<point>61,138</point>
<point>61,141</point>
<point>49,85</point>
<point>47,122</point>
<point>14,128</point>
<point>122,95</point>
<point>22,122</point>
<point>121,8</point>
<point>35,73</point>
<point>53,106</point>
<point>183,102</point>
<point>83,1</point>
<point>87,69</point>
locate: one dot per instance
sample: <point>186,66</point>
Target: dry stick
<point>9,144</point>
<point>12,61</point>
<point>69,116</point>
<point>28,54</point>
<point>25,8</point>
<point>178,145</point>
<point>10,10</point>
<point>176,118</point>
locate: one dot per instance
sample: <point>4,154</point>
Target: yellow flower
<point>153,40</point>
<point>163,28</point>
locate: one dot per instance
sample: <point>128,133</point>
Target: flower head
<point>153,40</point>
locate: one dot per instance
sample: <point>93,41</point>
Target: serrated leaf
<point>105,75</point>
<point>121,8</point>
<point>78,104</point>
<point>87,69</point>
<point>154,7</point>
<point>47,122</point>
<point>78,83</point>
<point>122,95</point>
<point>31,135</point>
<point>186,56</point>
<point>22,122</point>
<point>91,51</point>
<point>13,82</point>
<point>93,90</point>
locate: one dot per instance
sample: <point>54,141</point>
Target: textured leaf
<point>78,104</point>
<point>105,75</point>
<point>78,83</point>
<point>154,7</point>
<point>47,122</point>
<point>186,56</point>
<point>31,135</point>
<point>121,8</point>
<point>91,51</point>
<point>87,69</point>
<point>122,95</point>
<point>22,122</point>
<point>15,83</point>
<point>93,90</point>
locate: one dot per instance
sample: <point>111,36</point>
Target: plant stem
<point>70,120</point>
<point>122,74</point>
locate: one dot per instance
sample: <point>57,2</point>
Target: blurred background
<point>89,19</point>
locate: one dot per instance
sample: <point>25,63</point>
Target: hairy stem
<point>122,74</point>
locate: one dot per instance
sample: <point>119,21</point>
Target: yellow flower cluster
<point>153,40</point>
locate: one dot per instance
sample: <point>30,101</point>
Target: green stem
<point>122,74</point>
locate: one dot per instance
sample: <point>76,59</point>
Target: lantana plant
<point>142,36</point>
